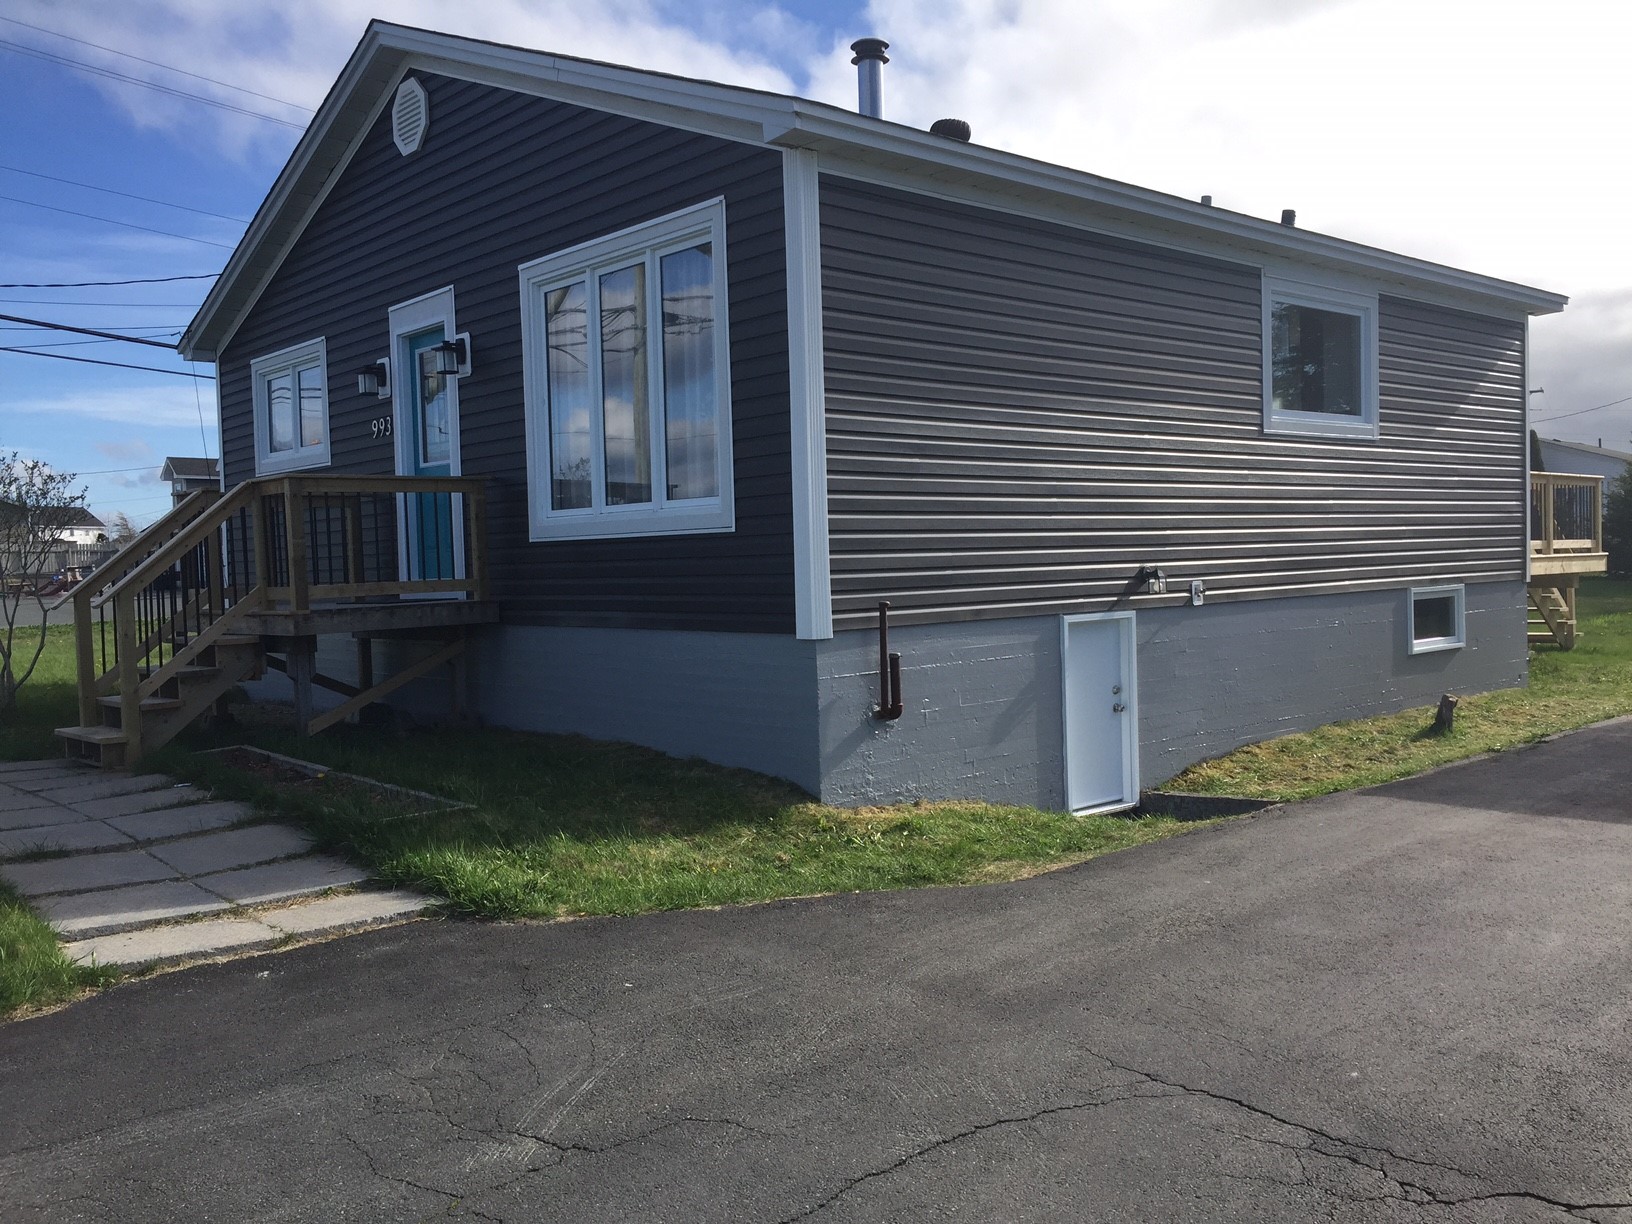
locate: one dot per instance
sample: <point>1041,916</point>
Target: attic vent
<point>410,116</point>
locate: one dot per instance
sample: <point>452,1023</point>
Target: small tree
<point>121,530</point>
<point>1618,523</point>
<point>36,503</point>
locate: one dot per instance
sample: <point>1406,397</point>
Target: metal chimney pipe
<point>869,61</point>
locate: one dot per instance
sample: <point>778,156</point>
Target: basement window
<point>291,404</point>
<point>1320,360</point>
<point>1438,619</point>
<point>628,388</point>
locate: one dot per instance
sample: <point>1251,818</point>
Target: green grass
<point>1567,689</point>
<point>33,970</point>
<point>562,825</point>
<point>45,703</point>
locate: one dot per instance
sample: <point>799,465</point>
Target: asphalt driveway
<point>1410,1004</point>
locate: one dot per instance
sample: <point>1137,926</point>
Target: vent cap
<point>410,116</point>
<point>952,129</point>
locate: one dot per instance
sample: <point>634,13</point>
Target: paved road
<point>1406,1005</point>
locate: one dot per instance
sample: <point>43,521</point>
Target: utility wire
<point>127,305</point>
<point>85,331</point>
<point>69,62</point>
<point>116,364</point>
<point>140,280</point>
<point>161,328</point>
<point>225,246</point>
<point>1583,411</point>
<point>156,64</point>
<point>127,195</point>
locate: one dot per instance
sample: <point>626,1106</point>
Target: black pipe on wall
<point>889,669</point>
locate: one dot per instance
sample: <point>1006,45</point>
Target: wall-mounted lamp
<point>453,356</point>
<point>1153,579</point>
<point>375,379</point>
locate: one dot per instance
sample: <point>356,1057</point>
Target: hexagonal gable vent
<point>410,116</point>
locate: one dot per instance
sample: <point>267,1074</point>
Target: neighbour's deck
<point>1566,541</point>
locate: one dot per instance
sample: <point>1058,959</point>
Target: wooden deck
<point>1566,542</point>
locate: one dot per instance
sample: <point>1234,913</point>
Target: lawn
<point>1567,689</point>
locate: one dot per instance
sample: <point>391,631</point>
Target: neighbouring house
<point>77,527</point>
<point>1579,457</point>
<point>692,378</point>
<point>186,473</point>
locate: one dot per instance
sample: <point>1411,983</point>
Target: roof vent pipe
<point>1289,216</point>
<point>869,61</point>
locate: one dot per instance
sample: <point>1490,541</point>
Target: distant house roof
<point>62,517</point>
<point>187,467</point>
<point>1589,450</point>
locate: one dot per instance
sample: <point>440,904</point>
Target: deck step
<point>237,639</point>
<point>92,735</point>
<point>150,705</point>
<point>194,672</point>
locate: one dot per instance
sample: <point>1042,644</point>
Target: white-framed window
<point>628,382</point>
<point>1438,619</point>
<point>1320,360</point>
<point>291,394</point>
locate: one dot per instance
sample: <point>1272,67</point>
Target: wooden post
<point>1548,497</point>
<point>1445,716</point>
<point>85,656</point>
<point>476,560</point>
<point>130,698</point>
<point>257,535</point>
<point>294,523</point>
<point>302,666</point>
<point>459,683</point>
<point>214,555</point>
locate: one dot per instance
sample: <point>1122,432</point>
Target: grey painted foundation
<point>982,699</point>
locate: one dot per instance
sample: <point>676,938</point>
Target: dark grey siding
<point>501,179</point>
<point>1020,414</point>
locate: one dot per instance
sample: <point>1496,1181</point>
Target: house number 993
<point>380,427</point>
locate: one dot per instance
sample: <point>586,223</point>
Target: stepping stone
<point>177,822</point>
<point>279,881</point>
<point>101,788</point>
<point>346,912</point>
<point>12,800</point>
<point>80,835</point>
<point>173,942</point>
<point>114,909</point>
<point>54,777</point>
<point>22,767</point>
<point>29,817</point>
<point>240,848</point>
<point>141,801</point>
<point>84,872</point>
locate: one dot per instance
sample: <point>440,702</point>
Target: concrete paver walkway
<point>145,869</point>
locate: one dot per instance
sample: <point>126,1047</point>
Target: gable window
<point>1320,360</point>
<point>628,386</point>
<point>291,400</point>
<point>1438,619</point>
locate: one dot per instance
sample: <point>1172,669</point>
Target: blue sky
<point>1481,133</point>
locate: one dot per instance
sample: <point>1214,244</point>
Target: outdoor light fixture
<point>375,379</point>
<point>453,356</point>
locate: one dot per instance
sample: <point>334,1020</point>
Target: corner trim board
<point>807,397</point>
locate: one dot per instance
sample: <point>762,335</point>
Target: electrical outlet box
<point>1198,592</point>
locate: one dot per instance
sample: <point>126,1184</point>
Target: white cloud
<point>139,407</point>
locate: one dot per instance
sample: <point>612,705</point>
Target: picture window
<point>1320,361</point>
<point>291,408</point>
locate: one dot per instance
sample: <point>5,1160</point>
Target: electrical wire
<point>162,329</point>
<point>1582,411</point>
<point>140,280</point>
<point>155,64</point>
<point>127,195</point>
<point>85,331</point>
<point>120,365</point>
<point>70,62</point>
<point>225,246</point>
<point>127,305</point>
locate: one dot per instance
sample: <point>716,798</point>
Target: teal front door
<point>431,517</point>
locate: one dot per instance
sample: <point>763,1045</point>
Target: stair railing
<point>1566,513</point>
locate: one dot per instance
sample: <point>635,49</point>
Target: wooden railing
<point>272,544</point>
<point>1566,513</point>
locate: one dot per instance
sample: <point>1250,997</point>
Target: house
<point>707,375</point>
<point>77,527</point>
<point>1558,455</point>
<point>186,473</point>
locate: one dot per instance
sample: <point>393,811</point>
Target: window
<point>1437,619</point>
<point>628,382</point>
<point>291,408</point>
<point>1320,360</point>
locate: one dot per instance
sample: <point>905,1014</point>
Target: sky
<point>1484,134</point>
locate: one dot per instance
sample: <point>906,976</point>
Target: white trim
<point>1457,593</point>
<point>649,241</point>
<point>292,359</point>
<point>1318,296</point>
<point>807,397</point>
<point>1524,433</point>
<point>367,83</point>
<point>1129,642</point>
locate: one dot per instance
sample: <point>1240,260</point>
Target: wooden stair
<point>1551,611</point>
<point>181,699</point>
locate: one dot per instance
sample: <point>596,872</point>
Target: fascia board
<point>868,148</point>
